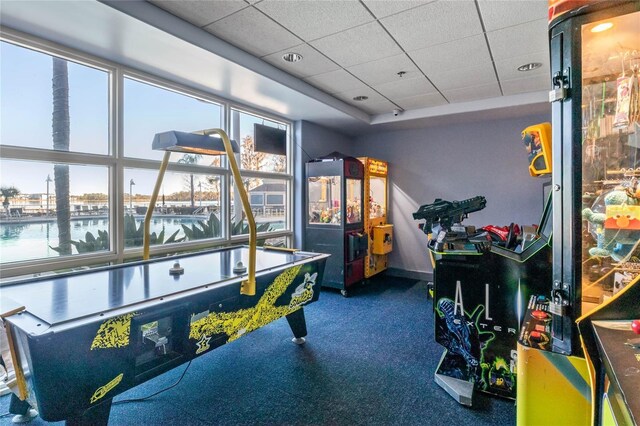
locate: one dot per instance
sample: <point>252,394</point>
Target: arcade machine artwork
<point>482,279</point>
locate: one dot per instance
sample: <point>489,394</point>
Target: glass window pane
<point>324,200</point>
<point>377,197</point>
<point>611,158</point>
<point>33,211</point>
<point>150,109</point>
<point>268,217</point>
<point>27,99</point>
<point>187,208</point>
<point>243,133</point>
<point>354,201</point>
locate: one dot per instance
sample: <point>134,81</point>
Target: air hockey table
<point>76,340</point>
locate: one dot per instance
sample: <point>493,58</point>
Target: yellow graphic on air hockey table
<point>113,333</point>
<point>103,390</point>
<point>238,323</point>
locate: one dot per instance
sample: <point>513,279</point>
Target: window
<point>149,109</point>
<point>111,180</point>
<point>34,85</point>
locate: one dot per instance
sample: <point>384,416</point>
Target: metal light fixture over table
<point>203,142</point>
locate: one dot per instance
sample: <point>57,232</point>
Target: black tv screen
<point>269,139</point>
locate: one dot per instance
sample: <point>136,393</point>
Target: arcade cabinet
<point>335,220</point>
<point>596,149</point>
<point>375,217</point>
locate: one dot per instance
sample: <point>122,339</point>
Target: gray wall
<point>311,141</point>
<point>455,162</point>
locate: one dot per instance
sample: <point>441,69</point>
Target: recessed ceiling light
<point>601,27</point>
<point>530,66</point>
<point>360,98</point>
<point>291,57</point>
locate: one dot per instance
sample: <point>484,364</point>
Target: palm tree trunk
<point>60,124</point>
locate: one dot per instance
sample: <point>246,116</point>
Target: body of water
<point>28,241</point>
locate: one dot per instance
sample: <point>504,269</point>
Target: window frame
<point>117,163</point>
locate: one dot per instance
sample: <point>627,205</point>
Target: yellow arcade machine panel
<point>537,140</point>
<point>375,217</point>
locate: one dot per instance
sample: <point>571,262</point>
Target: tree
<point>191,159</point>
<point>60,124</point>
<point>8,192</point>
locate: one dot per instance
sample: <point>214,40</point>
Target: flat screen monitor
<point>270,139</point>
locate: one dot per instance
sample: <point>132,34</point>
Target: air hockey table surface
<point>102,331</point>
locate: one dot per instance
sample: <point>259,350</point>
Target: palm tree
<point>60,124</point>
<point>8,192</point>
<point>191,159</point>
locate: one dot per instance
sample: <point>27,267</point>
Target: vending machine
<point>375,216</point>
<point>595,61</point>
<point>335,219</point>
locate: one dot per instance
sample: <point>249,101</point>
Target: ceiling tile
<point>264,37</point>
<point>502,14</point>
<point>538,83</point>
<point>374,97</point>
<point>405,87</point>
<point>310,20</point>
<point>381,107</point>
<point>385,70</point>
<point>336,82</point>
<point>519,40</point>
<point>455,54</point>
<point>463,77</point>
<point>422,101</point>
<point>485,91</point>
<point>312,63</point>
<point>383,8</point>
<point>358,45</point>
<point>433,24</point>
<point>508,68</point>
<point>201,13</point>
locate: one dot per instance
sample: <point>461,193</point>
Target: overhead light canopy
<point>192,143</point>
<point>360,98</point>
<point>291,57</point>
<point>530,66</point>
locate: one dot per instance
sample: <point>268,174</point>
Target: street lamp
<point>48,180</point>
<point>131,183</point>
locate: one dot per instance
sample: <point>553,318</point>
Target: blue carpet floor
<point>368,360</point>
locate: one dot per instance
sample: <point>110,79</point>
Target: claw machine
<point>375,216</point>
<point>335,219</point>
<point>595,102</point>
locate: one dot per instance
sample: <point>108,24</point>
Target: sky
<point>25,120</point>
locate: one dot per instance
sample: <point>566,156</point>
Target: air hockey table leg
<point>298,326</point>
<point>22,410</point>
<point>98,415</point>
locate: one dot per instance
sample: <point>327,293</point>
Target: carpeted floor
<point>368,360</point>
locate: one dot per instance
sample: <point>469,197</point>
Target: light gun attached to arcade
<point>448,217</point>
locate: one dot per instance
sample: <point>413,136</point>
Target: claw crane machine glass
<point>375,216</point>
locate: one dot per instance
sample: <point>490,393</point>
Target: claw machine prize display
<point>595,60</point>
<point>375,216</point>
<point>335,220</point>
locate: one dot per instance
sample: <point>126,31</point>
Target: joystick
<point>635,326</point>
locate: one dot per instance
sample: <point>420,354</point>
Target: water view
<point>33,240</point>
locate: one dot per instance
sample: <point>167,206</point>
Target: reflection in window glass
<point>187,209</point>
<point>354,203</point>
<point>150,109</point>
<point>33,211</point>
<point>250,158</point>
<point>27,97</point>
<point>268,217</point>
<point>324,200</point>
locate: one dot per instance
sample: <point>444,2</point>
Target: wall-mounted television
<point>269,139</point>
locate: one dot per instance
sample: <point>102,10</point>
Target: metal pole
<point>131,183</point>
<point>48,180</point>
<point>200,186</point>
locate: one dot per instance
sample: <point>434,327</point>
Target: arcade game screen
<point>377,200</point>
<point>324,200</point>
<point>611,157</point>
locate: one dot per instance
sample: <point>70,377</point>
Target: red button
<point>535,335</point>
<point>635,326</point>
<point>538,314</point>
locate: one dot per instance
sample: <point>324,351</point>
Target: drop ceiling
<point>400,54</point>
